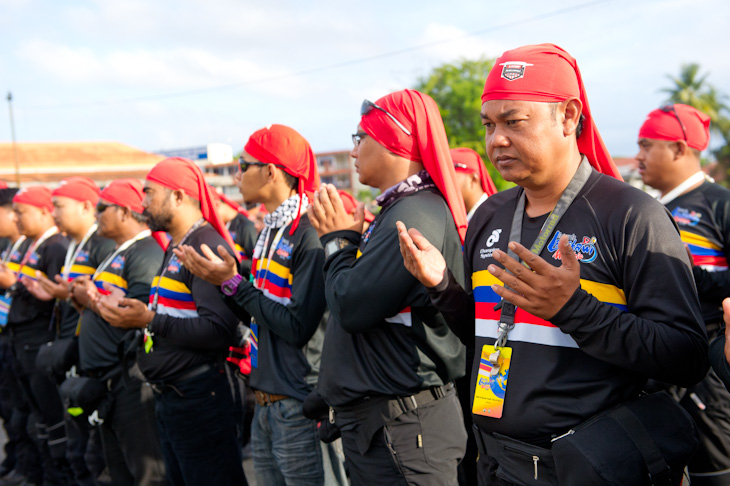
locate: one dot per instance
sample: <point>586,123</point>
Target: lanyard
<point>12,249</point>
<point>73,251</point>
<point>259,283</point>
<point>49,232</point>
<point>156,297</point>
<point>122,247</point>
<point>677,191</point>
<point>507,316</point>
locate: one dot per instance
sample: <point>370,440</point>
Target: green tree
<point>457,89</point>
<point>691,88</point>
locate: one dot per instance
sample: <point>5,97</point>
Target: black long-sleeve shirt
<point>287,312</point>
<point>636,315</point>
<point>386,338</point>
<point>192,326</point>
<point>703,217</point>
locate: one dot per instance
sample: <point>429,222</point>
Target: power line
<point>328,67</point>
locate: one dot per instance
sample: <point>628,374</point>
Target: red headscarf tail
<point>667,124</point>
<point>474,163</point>
<point>78,188</point>
<point>428,145</point>
<point>38,196</point>
<point>125,192</point>
<point>547,73</point>
<point>285,147</point>
<point>162,239</point>
<point>178,173</point>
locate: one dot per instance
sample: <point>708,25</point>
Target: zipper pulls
<point>534,461</point>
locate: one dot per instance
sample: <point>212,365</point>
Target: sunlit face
<point>374,162</point>
<point>157,206</point>
<point>8,226</point>
<point>251,182</point>
<point>29,219</point>
<point>524,141</point>
<point>655,162</point>
<point>107,219</point>
<point>67,213</point>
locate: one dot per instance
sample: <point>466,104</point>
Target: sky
<point>170,74</point>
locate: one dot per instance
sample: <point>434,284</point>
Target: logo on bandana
<point>284,249</point>
<point>173,266</point>
<point>585,250</point>
<point>82,256</point>
<point>118,263</point>
<point>685,217</point>
<point>514,70</point>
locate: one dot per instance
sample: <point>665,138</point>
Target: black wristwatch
<point>335,245</point>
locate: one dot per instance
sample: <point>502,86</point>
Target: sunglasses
<point>244,165</point>
<point>101,207</point>
<point>671,109</point>
<point>357,137</point>
<point>368,106</point>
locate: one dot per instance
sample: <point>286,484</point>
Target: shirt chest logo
<point>585,250</point>
<point>284,249</point>
<point>173,266</point>
<point>685,217</point>
<point>33,260</point>
<point>118,263</point>
<point>492,240</point>
<point>82,257</point>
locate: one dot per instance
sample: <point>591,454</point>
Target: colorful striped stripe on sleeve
<point>705,253</point>
<point>175,298</point>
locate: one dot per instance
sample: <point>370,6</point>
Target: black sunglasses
<point>671,109</point>
<point>244,165</point>
<point>101,207</point>
<point>356,137</point>
<point>367,107</point>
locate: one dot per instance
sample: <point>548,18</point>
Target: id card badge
<point>5,302</point>
<point>491,384</point>
<point>254,338</point>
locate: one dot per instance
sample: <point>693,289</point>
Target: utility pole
<point>15,144</point>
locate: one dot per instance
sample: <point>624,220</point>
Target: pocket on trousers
<point>404,438</point>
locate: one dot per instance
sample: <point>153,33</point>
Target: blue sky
<point>164,74</point>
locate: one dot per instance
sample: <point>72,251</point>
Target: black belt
<point>197,371</point>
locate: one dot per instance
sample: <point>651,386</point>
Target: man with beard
<point>187,332</point>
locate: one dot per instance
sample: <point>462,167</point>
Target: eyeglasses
<point>671,109</point>
<point>101,207</point>
<point>357,137</point>
<point>244,165</point>
<point>367,107</point>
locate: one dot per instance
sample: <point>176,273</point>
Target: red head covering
<point>125,193</point>
<point>350,203</point>
<point>287,149</point>
<point>78,188</point>
<point>427,144</point>
<point>3,185</point>
<point>38,196</point>
<point>673,121</point>
<point>546,73</point>
<point>467,160</point>
<point>178,173</point>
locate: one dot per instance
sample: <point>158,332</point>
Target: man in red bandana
<point>609,299</point>
<point>242,229</point>
<point>474,181</point>
<point>284,304</point>
<point>187,332</point>
<point>670,142</point>
<point>389,358</point>
<point>30,322</point>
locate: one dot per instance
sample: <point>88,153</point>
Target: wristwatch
<point>335,245</point>
<point>230,286</point>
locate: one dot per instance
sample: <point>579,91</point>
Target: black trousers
<point>129,436</point>
<point>420,447</point>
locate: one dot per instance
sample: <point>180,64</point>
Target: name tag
<point>491,383</point>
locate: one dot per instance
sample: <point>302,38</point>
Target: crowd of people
<point>460,335</point>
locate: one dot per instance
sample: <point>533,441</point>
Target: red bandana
<point>38,196</point>
<point>177,173</point>
<point>78,188</point>
<point>546,73</point>
<point>350,203</point>
<point>467,160</point>
<point>287,149</point>
<point>427,144</point>
<point>678,122</point>
<point>125,193</point>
